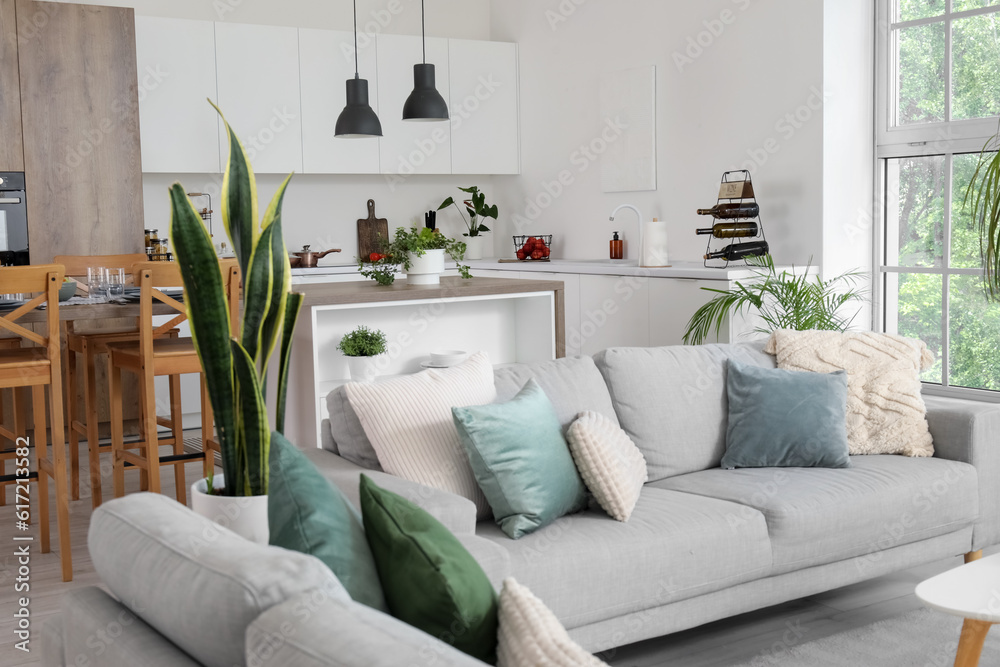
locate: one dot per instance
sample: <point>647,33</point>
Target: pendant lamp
<point>357,120</point>
<point>425,102</point>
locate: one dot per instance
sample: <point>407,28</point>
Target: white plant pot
<point>246,516</point>
<point>427,268</point>
<point>364,369</point>
<point>474,246</point>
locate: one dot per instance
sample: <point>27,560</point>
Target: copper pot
<point>307,259</point>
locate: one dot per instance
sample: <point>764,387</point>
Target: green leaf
<point>474,189</point>
<point>446,203</point>
<point>483,228</point>
<point>281,277</point>
<point>256,432</point>
<point>292,306</point>
<point>208,313</point>
<point>257,295</point>
<point>239,199</point>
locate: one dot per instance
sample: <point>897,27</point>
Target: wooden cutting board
<point>370,230</point>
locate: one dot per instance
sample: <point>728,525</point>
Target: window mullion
<point>947,69</point>
<point>949,173</point>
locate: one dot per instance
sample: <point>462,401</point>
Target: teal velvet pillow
<point>780,418</point>
<point>308,514</point>
<point>431,581</point>
<point>521,460</point>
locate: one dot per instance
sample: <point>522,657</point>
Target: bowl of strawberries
<point>535,248</point>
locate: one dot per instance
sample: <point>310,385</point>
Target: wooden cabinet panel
<point>484,107</point>
<point>11,151</point>
<point>176,68</point>
<point>80,116</point>
<point>614,312</point>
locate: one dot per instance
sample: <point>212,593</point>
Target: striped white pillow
<point>610,464</point>
<point>408,421</point>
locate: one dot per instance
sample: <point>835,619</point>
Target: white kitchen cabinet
<point>410,147</point>
<point>672,302</point>
<point>175,61</point>
<point>485,137</point>
<point>614,312</point>
<point>258,74</point>
<point>326,62</point>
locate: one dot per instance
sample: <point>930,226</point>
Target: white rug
<point>921,638</point>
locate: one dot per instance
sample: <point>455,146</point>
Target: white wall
<point>720,105</point>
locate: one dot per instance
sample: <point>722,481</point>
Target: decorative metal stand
<point>736,188</point>
<point>204,212</point>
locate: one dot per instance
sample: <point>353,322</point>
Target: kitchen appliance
<point>13,220</point>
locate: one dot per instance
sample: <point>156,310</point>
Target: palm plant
<point>984,194</point>
<point>785,301</point>
<point>235,363</point>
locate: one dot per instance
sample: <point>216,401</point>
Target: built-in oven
<point>13,220</point>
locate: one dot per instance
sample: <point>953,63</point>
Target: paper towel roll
<point>654,244</point>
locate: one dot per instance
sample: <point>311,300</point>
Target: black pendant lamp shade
<point>358,120</point>
<point>425,102</point>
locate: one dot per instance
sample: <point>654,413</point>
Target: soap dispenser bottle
<point>617,247</point>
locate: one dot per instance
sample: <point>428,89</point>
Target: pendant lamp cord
<point>423,30</point>
<point>356,75</point>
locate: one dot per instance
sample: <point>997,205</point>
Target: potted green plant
<point>419,252</point>
<point>478,210</point>
<point>984,195</point>
<point>780,301</point>
<point>364,349</point>
<point>235,363</point>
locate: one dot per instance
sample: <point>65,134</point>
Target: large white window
<point>938,101</point>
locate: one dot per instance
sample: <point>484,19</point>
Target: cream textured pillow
<point>885,411</point>
<point>531,636</point>
<point>610,464</point>
<point>408,421</point>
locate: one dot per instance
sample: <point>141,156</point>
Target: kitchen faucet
<point>639,216</point>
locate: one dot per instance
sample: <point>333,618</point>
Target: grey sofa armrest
<point>458,514</point>
<point>314,630</point>
<point>98,630</point>
<point>969,431</point>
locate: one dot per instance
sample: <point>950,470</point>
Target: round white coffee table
<point>971,591</point>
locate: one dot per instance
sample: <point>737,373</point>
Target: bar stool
<point>152,356</point>
<point>37,367</point>
<point>91,345</point>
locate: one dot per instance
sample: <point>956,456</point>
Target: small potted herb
<point>478,210</point>
<point>420,252</point>
<point>363,348</point>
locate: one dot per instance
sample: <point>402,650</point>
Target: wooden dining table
<point>97,311</point>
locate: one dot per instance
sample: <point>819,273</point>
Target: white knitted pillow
<point>531,636</point>
<point>610,464</point>
<point>408,421</point>
<point>885,411</point>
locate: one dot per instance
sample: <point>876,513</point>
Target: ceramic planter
<point>246,516</point>
<point>364,369</point>
<point>426,269</point>
<point>474,246</point>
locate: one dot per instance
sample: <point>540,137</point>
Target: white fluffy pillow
<point>531,636</point>
<point>408,421</point>
<point>885,410</point>
<point>610,464</point>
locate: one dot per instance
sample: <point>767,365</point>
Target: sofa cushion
<point>573,384</point>
<point>819,515</point>
<point>176,570</point>
<point>610,464</point>
<point>349,439</point>
<point>588,567</point>
<point>672,401</point>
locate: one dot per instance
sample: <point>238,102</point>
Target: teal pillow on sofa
<point>781,418</point>
<point>308,514</point>
<point>521,460</point>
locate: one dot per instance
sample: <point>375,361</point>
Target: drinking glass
<point>97,281</point>
<point>116,283</point>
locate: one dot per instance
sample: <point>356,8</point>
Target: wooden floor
<point>722,643</point>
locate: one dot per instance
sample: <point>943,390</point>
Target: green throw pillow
<point>308,514</point>
<point>430,580</point>
<point>782,418</point>
<point>521,460</point>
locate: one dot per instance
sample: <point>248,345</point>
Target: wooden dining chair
<point>89,346</point>
<point>152,356</point>
<point>9,432</point>
<point>37,366</point>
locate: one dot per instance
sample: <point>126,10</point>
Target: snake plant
<point>235,363</point>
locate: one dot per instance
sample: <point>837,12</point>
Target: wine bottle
<point>731,230</point>
<point>739,251</point>
<point>731,211</point>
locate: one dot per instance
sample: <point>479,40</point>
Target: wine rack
<point>736,190</point>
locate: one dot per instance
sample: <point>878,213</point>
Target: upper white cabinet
<point>258,72</point>
<point>484,107</point>
<point>409,147</point>
<point>326,62</point>
<point>175,61</point>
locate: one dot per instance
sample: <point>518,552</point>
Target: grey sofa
<point>702,544</point>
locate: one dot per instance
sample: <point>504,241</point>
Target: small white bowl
<point>445,358</point>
